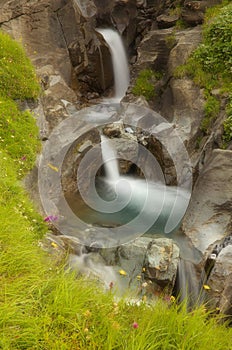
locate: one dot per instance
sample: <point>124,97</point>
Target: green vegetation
<point>144,85</point>
<point>18,135</point>
<point>211,110</point>
<point>227,125</point>
<point>210,64</point>
<point>44,306</point>
<point>17,76</point>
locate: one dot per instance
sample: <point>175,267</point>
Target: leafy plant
<point>145,82</point>
<point>227,125</point>
<point>211,110</point>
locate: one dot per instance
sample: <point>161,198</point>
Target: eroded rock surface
<point>209,215</point>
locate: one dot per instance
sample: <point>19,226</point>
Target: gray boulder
<point>161,264</point>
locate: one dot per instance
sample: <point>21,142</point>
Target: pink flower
<point>50,218</point>
<point>135,325</point>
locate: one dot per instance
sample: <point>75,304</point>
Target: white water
<point>109,159</point>
<point>154,204</point>
<point>188,283</point>
<point>119,60</point>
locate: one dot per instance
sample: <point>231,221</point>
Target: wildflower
<point>144,284</point>
<point>143,269</point>
<point>206,287</point>
<point>172,298</point>
<point>87,313</point>
<point>54,245</point>
<point>135,325</point>
<point>138,277</point>
<point>122,272</point>
<point>50,218</point>
<point>86,330</point>
<point>23,158</point>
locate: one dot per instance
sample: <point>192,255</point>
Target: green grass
<point>44,306</point>
<point>17,76</point>
<point>18,135</point>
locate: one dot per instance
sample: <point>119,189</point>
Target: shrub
<point>145,82</point>
<point>227,125</point>
<point>211,110</point>
<point>215,54</point>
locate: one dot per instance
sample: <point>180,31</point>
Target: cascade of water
<point>152,203</point>
<point>109,159</point>
<point>188,285</point>
<point>119,60</point>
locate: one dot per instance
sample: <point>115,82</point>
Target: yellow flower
<point>138,277</point>
<point>172,298</point>
<point>87,313</point>
<point>122,273</point>
<point>206,287</point>
<point>54,245</point>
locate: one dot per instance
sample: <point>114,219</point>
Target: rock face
<point>213,192</point>
<point>161,264</point>
<point>193,11</point>
<point>220,282</point>
<point>60,42</point>
<point>150,265</point>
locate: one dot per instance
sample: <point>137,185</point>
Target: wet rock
<point>124,143</point>
<point>161,264</point>
<point>73,158</point>
<point>113,130</point>
<point>187,105</point>
<point>193,11</point>
<point>89,55</point>
<point>149,265</point>
<point>153,51</point>
<point>213,192</point>
<point>119,14</point>
<point>186,42</point>
<point>166,21</point>
<point>220,282</point>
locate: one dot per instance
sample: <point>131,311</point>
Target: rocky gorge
<point>73,63</point>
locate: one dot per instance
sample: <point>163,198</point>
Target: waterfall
<point>119,60</point>
<point>188,285</point>
<point>149,202</point>
<point>109,159</point>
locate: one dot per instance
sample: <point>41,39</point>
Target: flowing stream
<point>145,206</point>
<point>119,61</point>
